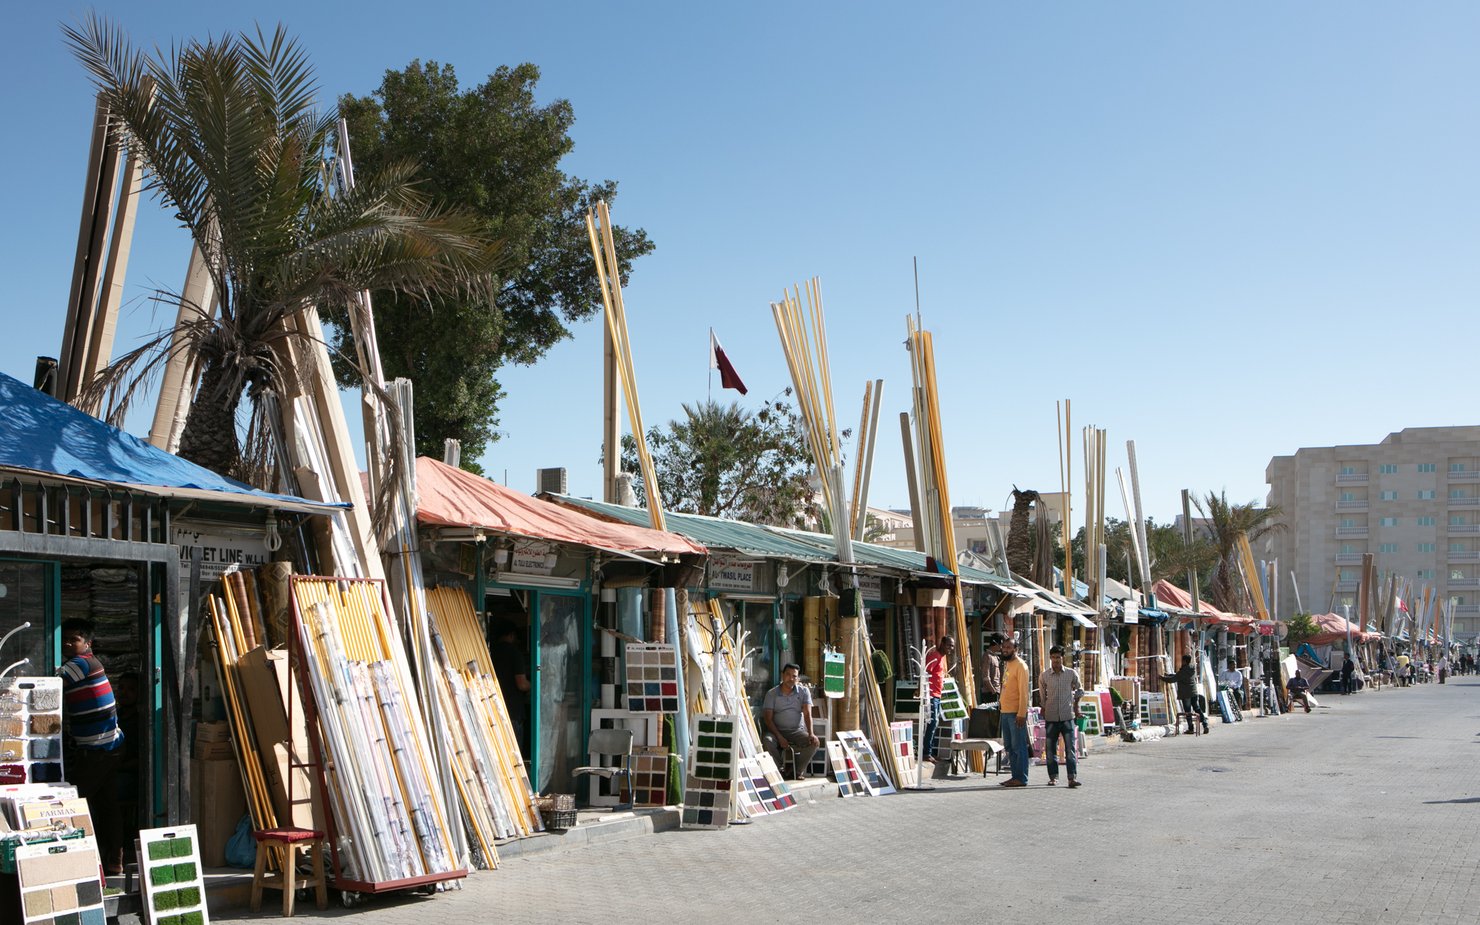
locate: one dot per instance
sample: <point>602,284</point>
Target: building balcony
<point>1351,531</point>
<point>1464,555</point>
<point>1345,558</point>
<point>1464,528</point>
<point>1465,476</point>
<point>1348,478</point>
<point>1467,608</point>
<point>1347,584</point>
<point>1463,583</point>
<point>1464,502</point>
<point>1359,505</point>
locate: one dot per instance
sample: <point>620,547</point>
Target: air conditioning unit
<point>550,480</point>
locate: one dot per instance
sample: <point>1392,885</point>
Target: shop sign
<point>532,558</point>
<point>220,548</point>
<point>872,587</point>
<point>1265,627</point>
<point>731,574</point>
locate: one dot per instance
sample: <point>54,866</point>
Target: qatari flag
<point>728,378</point>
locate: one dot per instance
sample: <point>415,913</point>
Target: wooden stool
<point>291,841</point>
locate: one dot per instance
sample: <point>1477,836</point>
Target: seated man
<point>1233,679</point>
<point>786,716</point>
<point>1299,691</point>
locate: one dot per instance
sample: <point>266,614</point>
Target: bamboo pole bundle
<point>1066,485</point>
<point>608,274</point>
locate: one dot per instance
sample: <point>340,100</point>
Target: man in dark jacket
<point>1187,694</point>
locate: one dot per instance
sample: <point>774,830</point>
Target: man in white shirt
<point>1233,679</point>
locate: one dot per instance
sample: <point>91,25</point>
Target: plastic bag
<point>241,848</point>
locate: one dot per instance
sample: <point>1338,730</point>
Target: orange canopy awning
<point>453,497</point>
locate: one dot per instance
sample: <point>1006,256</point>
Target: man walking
<point>1015,702</point>
<point>1187,693</point>
<point>787,716</point>
<point>1060,688</point>
<point>937,666</point>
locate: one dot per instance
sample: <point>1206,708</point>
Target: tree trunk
<point>209,438</point>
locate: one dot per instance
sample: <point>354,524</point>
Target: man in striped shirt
<point>93,743</point>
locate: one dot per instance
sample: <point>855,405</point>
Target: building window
<point>1390,496</point>
<point>1456,467</point>
<point>1458,494</point>
<point>1457,520</point>
<point>1427,494</point>
<point>1426,467</point>
<point>1388,468</point>
<point>1348,470</point>
<point>1425,573</point>
<point>1387,547</point>
<point>1426,521</point>
<point>1458,547</point>
<point>1426,547</point>
<point>1349,496</point>
<point>1456,574</point>
<point>1388,522</point>
<point>1349,549</point>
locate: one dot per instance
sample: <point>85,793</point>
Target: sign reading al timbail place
<point>731,574</point>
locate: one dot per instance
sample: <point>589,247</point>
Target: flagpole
<point>711,366</point>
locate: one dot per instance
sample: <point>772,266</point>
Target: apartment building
<point>1412,500</point>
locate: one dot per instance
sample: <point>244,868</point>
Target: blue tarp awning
<point>52,438</point>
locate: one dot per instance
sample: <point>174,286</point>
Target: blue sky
<point>1224,231</point>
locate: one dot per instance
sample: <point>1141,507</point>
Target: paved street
<point>1362,812</point>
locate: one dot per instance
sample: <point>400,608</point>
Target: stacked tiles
<point>59,883</point>
<point>30,730</point>
<point>380,779</point>
<point>174,891</point>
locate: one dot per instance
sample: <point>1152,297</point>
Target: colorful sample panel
<point>650,776</point>
<point>845,770</point>
<point>775,794</point>
<point>902,738</point>
<point>652,678</point>
<point>834,674</point>
<point>59,883</point>
<point>712,769</point>
<point>952,706</point>
<point>857,746</point>
<point>1090,709</point>
<point>31,731</point>
<point>602,791</point>
<point>748,794</point>
<point>1154,709</point>
<point>174,891</point>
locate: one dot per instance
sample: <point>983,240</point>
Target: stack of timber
<point>376,764</point>
<point>492,779</point>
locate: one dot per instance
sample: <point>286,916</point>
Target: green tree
<point>236,149</point>
<point>1302,626</point>
<point>1226,522</point>
<point>496,151</point>
<point>726,461</point>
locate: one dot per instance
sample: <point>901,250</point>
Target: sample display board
<point>712,770</point>
<point>59,883</point>
<point>845,770</point>
<point>174,891</point>
<point>902,737</point>
<point>1228,706</point>
<point>1091,709</point>
<point>856,744</point>
<point>834,674</point>
<point>650,776</point>
<point>40,814</point>
<point>952,706</point>
<point>776,796</point>
<point>652,678</point>
<point>31,731</point>
<point>1154,709</point>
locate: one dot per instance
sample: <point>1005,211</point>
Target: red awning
<point>453,497</point>
<point>1170,595</point>
<point>1333,628</point>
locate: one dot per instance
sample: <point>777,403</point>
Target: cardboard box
<point>217,805</point>
<point>267,687</point>
<point>213,751</point>
<point>213,732</point>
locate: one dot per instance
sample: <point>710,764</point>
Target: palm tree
<point>1226,523</point>
<point>235,148</point>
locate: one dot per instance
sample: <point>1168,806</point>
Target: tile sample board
<point>952,706</point>
<point>602,791</point>
<point>652,678</point>
<point>902,737</point>
<point>59,883</point>
<point>31,731</point>
<point>845,770</point>
<point>775,794</point>
<point>174,890</point>
<point>857,746</point>
<point>650,776</point>
<point>834,674</point>
<point>713,766</point>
